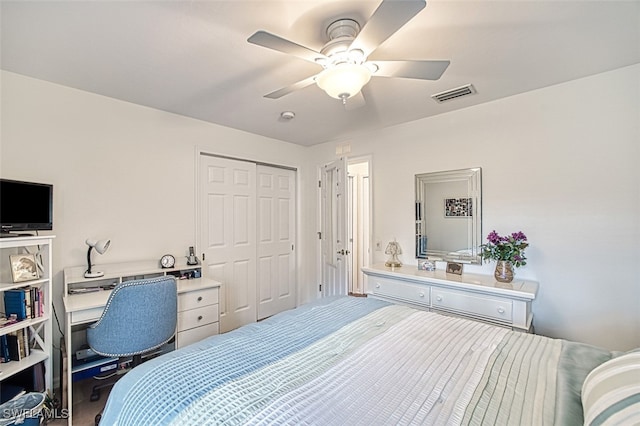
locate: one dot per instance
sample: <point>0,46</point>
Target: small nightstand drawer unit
<point>193,335</point>
<point>473,304</point>
<point>473,296</point>
<point>198,315</point>
<point>198,298</point>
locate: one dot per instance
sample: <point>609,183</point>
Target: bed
<point>361,361</point>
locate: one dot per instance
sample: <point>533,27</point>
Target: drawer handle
<point>439,298</point>
<point>421,294</point>
<point>200,299</point>
<point>501,310</point>
<point>200,318</point>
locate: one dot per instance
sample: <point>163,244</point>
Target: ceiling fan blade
<point>292,88</point>
<point>272,41</point>
<point>422,70</point>
<point>355,102</point>
<point>388,18</point>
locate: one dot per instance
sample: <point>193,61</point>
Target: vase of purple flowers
<point>508,251</point>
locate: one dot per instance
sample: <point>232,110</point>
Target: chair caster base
<point>97,419</point>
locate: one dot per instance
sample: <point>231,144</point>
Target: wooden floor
<point>84,411</point>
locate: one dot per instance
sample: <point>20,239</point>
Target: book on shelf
<point>12,319</point>
<point>15,303</point>
<point>25,303</point>
<point>4,349</point>
<point>15,346</point>
<point>17,342</point>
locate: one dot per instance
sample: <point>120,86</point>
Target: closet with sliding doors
<point>246,236</point>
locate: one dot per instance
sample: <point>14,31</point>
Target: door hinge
<point>319,287</point>
<point>291,247</point>
<point>319,235</point>
<point>202,256</point>
<point>319,184</point>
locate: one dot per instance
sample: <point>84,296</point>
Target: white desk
<point>198,311</point>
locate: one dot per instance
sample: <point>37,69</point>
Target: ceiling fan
<point>345,57</point>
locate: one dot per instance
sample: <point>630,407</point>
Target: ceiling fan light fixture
<point>343,81</point>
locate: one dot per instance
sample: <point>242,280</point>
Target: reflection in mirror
<point>448,214</point>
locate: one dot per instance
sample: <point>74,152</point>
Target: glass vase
<point>504,271</point>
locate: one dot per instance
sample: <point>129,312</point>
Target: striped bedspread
<point>357,361</point>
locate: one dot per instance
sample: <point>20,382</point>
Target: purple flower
<point>519,236</point>
<point>493,237</point>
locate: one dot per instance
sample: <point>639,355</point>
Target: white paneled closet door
<point>247,234</point>
<point>276,238</point>
<point>228,235</point>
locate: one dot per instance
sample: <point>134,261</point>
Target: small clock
<point>167,261</point>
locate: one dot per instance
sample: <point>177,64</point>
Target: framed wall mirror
<point>448,213</point>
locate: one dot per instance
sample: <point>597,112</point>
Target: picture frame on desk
<point>23,267</point>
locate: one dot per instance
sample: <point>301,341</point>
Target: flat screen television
<point>25,206</point>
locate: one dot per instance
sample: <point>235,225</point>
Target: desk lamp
<point>100,246</point>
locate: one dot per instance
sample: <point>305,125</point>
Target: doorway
<point>344,220</point>
<point>359,223</point>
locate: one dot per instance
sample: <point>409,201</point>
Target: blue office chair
<point>140,316</point>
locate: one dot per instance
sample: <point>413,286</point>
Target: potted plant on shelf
<point>508,251</point>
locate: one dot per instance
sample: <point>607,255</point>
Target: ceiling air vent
<point>458,92</point>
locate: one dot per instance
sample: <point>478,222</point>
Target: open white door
<point>333,228</point>
<point>359,223</point>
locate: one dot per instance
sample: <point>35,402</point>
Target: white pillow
<point>611,392</point>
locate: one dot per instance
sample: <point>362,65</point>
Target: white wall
<point>559,164</point>
<point>119,170</point>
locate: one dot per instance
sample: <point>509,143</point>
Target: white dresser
<point>473,296</point>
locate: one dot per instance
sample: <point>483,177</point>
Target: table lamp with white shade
<point>393,249</point>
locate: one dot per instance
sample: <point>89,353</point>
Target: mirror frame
<point>473,177</point>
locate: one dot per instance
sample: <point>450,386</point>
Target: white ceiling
<point>192,58</point>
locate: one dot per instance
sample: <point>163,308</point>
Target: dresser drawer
<point>401,290</point>
<point>188,337</point>
<point>196,299</point>
<point>197,317</point>
<point>496,308</point>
